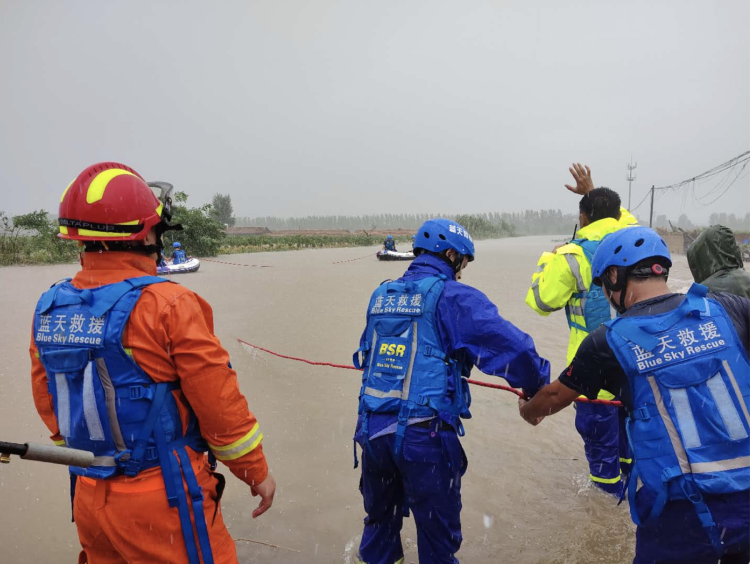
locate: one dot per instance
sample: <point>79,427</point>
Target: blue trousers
<point>424,478</point>
<point>677,537</point>
<point>602,428</point>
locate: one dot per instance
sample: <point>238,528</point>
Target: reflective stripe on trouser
<point>426,479</point>
<point>599,427</point>
<point>358,560</point>
<point>130,521</point>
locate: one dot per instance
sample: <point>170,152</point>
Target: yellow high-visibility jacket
<point>566,272</point>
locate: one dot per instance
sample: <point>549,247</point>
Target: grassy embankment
<point>266,243</point>
<point>48,249</point>
<point>31,238</point>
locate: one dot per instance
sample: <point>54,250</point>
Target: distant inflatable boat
<point>191,265</point>
<point>395,255</point>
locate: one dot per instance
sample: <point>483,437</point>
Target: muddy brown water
<point>526,496</point>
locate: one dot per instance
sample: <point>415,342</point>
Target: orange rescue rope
<point>519,393</point>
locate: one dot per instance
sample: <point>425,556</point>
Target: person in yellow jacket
<point>563,280</point>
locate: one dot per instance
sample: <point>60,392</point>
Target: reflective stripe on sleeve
<point>575,268</point>
<point>538,300</point>
<point>238,448</point>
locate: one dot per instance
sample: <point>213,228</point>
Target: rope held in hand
<point>519,393</point>
<point>271,266</point>
<point>239,264</point>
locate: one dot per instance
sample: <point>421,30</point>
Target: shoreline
<point>274,244</point>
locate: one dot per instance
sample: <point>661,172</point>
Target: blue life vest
<point>405,371</point>
<point>179,257</point>
<point>595,306</point>
<point>690,427</point>
<point>390,245</point>
<point>106,404</point>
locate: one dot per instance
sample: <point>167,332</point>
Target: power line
<point>709,173</point>
<point>641,202</point>
<point>727,188</point>
<point>743,158</point>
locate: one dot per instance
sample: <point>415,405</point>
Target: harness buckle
<point>668,474</point>
<point>151,453</point>
<point>132,467</point>
<point>136,392</point>
<point>642,414</point>
<point>428,350</point>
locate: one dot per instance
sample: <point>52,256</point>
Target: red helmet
<point>108,202</point>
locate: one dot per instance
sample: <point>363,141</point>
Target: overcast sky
<point>352,107</point>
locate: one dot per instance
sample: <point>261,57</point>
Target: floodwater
<point>526,496</point>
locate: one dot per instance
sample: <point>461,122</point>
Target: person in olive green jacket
<point>715,260</point>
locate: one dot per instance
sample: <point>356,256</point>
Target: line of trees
<point>734,222</point>
<point>31,238</point>
<point>488,224</point>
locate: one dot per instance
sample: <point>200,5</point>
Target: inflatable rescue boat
<point>395,255</point>
<point>190,265</point>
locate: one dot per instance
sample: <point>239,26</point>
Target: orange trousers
<point>130,521</point>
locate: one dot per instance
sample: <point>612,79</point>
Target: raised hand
<point>582,176</point>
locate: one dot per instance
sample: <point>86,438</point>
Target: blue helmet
<point>176,244</point>
<point>389,237</point>
<point>438,235</point>
<point>627,247</point>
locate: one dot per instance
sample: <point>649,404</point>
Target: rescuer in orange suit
<point>126,365</point>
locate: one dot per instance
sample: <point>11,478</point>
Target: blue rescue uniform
<point>686,391</point>
<point>601,426</point>
<point>178,256</point>
<point>425,332</point>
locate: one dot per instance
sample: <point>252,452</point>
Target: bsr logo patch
<point>397,350</point>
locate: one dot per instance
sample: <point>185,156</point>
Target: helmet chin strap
<point>454,264</point>
<point>621,285</point>
<point>158,247</point>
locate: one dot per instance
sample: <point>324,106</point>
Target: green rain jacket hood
<point>715,260</point>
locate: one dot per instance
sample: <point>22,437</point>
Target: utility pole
<point>651,214</point>
<point>631,176</point>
